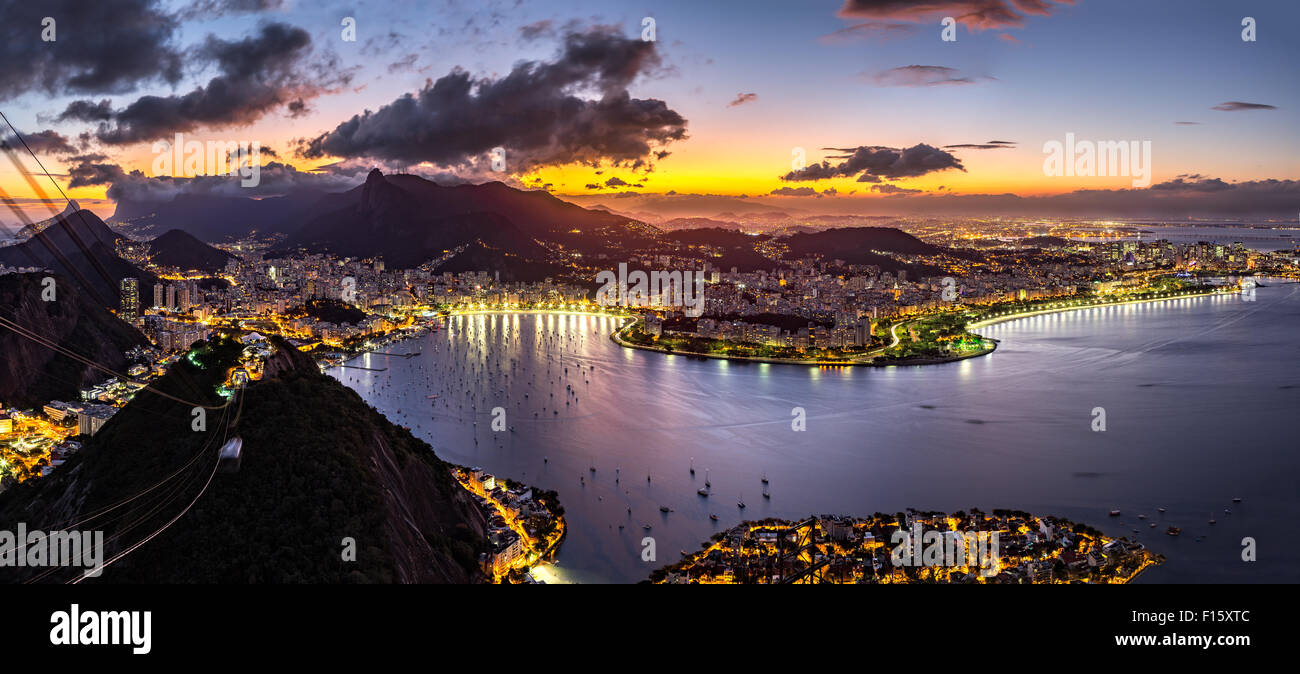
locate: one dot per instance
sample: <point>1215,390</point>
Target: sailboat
<point>741,502</point>
<point>692,465</point>
<point>706,478</point>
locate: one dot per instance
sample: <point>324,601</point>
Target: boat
<point>702,492</point>
<point>692,465</point>
<point>1211,520</point>
<point>1160,509</point>
<point>713,517</point>
<point>1142,517</point>
<point>665,509</point>
<point>1114,513</point>
<point>645,526</point>
<point>764,478</point>
<point>1173,531</point>
<point>1236,499</point>
<point>766,495</point>
<point>740,503</point>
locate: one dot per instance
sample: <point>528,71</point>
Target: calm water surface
<point>1201,399</point>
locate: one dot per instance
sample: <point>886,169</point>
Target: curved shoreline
<point>617,338</point>
<point>1026,314</point>
<point>616,335</point>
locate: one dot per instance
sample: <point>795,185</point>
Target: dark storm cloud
<point>257,74</point>
<point>88,111</point>
<point>871,163</point>
<point>275,179</point>
<point>48,141</point>
<point>100,47</point>
<point>923,76</point>
<point>974,14</point>
<point>535,113</point>
<point>1234,106</point>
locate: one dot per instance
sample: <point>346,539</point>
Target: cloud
<point>1234,106</point>
<point>275,179</point>
<point>615,181</point>
<point>871,163</point>
<point>1193,183</point>
<point>882,30</point>
<point>1187,123</point>
<point>923,76</point>
<point>211,9</point>
<point>48,141</point>
<point>100,47</point>
<point>404,64</point>
<point>574,109</point>
<point>974,14</point>
<point>257,75</point>
<point>537,29</point>
<point>991,145</point>
<point>794,192</point>
<point>894,190</point>
<point>742,99</point>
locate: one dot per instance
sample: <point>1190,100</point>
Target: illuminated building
<point>130,299</point>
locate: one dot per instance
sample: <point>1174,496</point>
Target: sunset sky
<point>727,90</point>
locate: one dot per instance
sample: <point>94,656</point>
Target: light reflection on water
<point>1199,395</point>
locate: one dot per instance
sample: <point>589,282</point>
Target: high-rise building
<point>130,300</point>
<point>159,295</point>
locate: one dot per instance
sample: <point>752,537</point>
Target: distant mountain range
<point>524,235</point>
<point>218,219</point>
<point>406,220</point>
